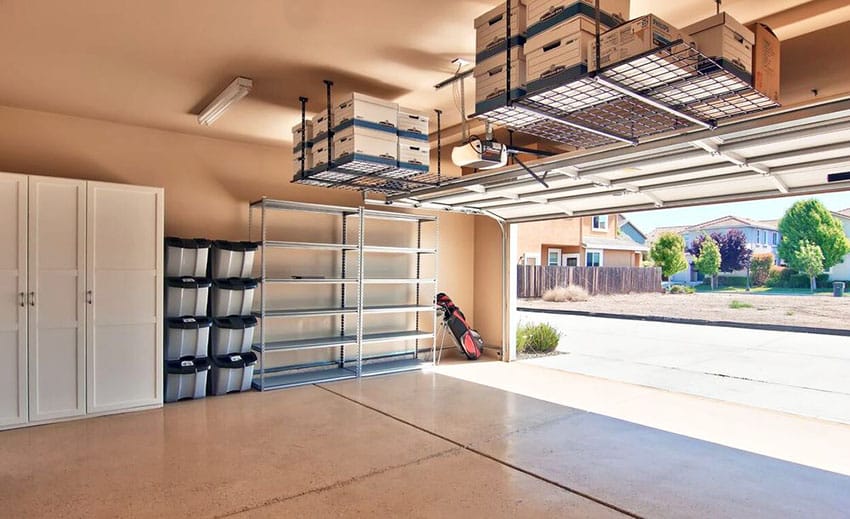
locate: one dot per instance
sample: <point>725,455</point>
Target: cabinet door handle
<point>32,298</point>
<point>88,297</point>
<point>23,299</point>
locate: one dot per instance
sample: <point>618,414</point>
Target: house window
<point>758,236</point>
<point>554,257</point>
<point>600,223</point>
<point>776,238</point>
<point>593,258</point>
<point>570,260</point>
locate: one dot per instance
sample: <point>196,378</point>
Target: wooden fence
<point>532,280</point>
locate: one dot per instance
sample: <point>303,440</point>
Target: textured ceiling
<point>156,63</point>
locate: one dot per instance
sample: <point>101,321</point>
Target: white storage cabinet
<point>81,273</point>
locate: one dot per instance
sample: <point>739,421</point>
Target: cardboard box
<point>491,75</point>
<point>564,47</point>
<point>765,61</point>
<point>638,37</point>
<point>320,124</point>
<point>319,153</point>
<point>724,39</point>
<point>544,14</point>
<point>413,152</point>
<point>308,163</point>
<point>491,27</point>
<point>412,124</point>
<point>361,140</point>
<point>363,108</point>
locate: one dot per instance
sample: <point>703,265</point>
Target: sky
<point>756,210</point>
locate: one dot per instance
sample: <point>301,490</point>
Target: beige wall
<point>565,233</point>
<point>208,182</point>
<point>488,279</point>
<point>620,258</point>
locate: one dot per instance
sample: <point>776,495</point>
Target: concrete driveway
<point>799,373</point>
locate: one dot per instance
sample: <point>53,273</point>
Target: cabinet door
<point>124,276</point>
<point>56,341</point>
<point>13,305</point>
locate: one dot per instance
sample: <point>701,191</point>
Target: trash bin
<point>186,296</point>
<point>232,296</point>
<point>838,289</point>
<point>232,334</point>
<point>232,373</point>
<point>187,337</point>
<point>233,259</point>
<point>186,257</point>
<point>186,379</point>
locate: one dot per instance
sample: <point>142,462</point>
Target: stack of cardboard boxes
<point>302,146</point>
<point>490,54</point>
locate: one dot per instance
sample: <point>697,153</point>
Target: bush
<point>570,293</point>
<point>681,289</point>
<point>761,266</point>
<point>732,281</point>
<point>537,338</point>
<point>789,278</point>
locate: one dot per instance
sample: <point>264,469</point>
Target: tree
<point>808,258</point>
<point>708,261</point>
<point>669,254</point>
<point>734,253</point>
<point>760,266</point>
<point>809,220</point>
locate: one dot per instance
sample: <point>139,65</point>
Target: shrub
<point>736,305</point>
<point>681,289</point>
<point>789,278</point>
<point>537,338</point>
<point>570,293</point>
<point>761,266</point>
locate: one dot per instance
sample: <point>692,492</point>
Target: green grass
<point>737,305</point>
<point>766,291</point>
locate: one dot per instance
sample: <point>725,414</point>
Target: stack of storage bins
<point>187,323</point>
<point>232,324</point>
<point>414,150</point>
<point>490,55</point>
<point>365,130</point>
<point>302,146</point>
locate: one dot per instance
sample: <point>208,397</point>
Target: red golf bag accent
<point>468,341</point>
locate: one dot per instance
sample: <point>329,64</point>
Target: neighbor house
<point>841,271</point>
<point>762,237</point>
<point>581,242</point>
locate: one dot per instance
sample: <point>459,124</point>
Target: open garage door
<point>782,152</point>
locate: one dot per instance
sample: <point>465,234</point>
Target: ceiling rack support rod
<point>613,85</point>
<point>572,124</point>
<point>507,52</point>
<point>439,145</point>
<point>538,178</point>
<point>303,101</point>
<point>328,117</point>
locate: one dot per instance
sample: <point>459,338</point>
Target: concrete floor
<point>798,373</point>
<point>413,445</point>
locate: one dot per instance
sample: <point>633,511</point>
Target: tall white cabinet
<point>81,307</point>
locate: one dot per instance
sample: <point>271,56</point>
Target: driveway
<point>799,373</point>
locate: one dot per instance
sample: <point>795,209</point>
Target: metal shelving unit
<point>668,89</point>
<point>271,372</point>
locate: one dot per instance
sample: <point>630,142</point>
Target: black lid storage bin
<point>187,337</point>
<point>232,334</point>
<point>233,259</point>
<point>186,296</point>
<point>233,296</point>
<point>232,373</point>
<point>186,379</point>
<point>186,256</point>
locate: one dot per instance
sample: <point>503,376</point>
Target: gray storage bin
<point>232,334</point>
<point>186,296</point>
<point>187,337</point>
<point>186,257</point>
<point>233,296</point>
<point>233,259</point>
<point>232,373</point>
<point>186,379</point>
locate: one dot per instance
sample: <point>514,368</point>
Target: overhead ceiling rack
<point>359,173</point>
<point>788,151</point>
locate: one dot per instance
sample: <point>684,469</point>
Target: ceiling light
<point>236,90</point>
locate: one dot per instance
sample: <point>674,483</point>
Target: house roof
<point>658,231</point>
<point>733,221</point>
<point>623,221</point>
<point>844,213</point>
<point>613,244</point>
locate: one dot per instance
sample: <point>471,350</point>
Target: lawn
<point>767,291</point>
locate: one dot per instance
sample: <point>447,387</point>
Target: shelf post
<point>360,294</point>
<point>342,293</point>
<point>418,276</point>
<point>263,297</point>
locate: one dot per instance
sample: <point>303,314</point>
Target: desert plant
<point>737,305</point>
<point>809,258</point>
<point>669,254</point>
<point>760,268</point>
<point>570,293</point>
<point>537,338</point>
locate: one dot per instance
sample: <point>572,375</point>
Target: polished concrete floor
<point>413,445</point>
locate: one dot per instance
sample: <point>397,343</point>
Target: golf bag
<point>468,341</point>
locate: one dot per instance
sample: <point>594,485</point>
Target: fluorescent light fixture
<point>236,90</point>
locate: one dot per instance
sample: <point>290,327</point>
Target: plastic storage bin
<point>232,334</point>
<point>233,259</point>
<point>232,373</point>
<point>186,257</point>
<point>233,296</point>
<point>187,337</point>
<point>186,379</point>
<point>186,296</point>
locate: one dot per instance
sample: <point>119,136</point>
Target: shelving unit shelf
<point>273,373</point>
<point>672,88</point>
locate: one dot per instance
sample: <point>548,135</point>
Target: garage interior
<point>104,157</point>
